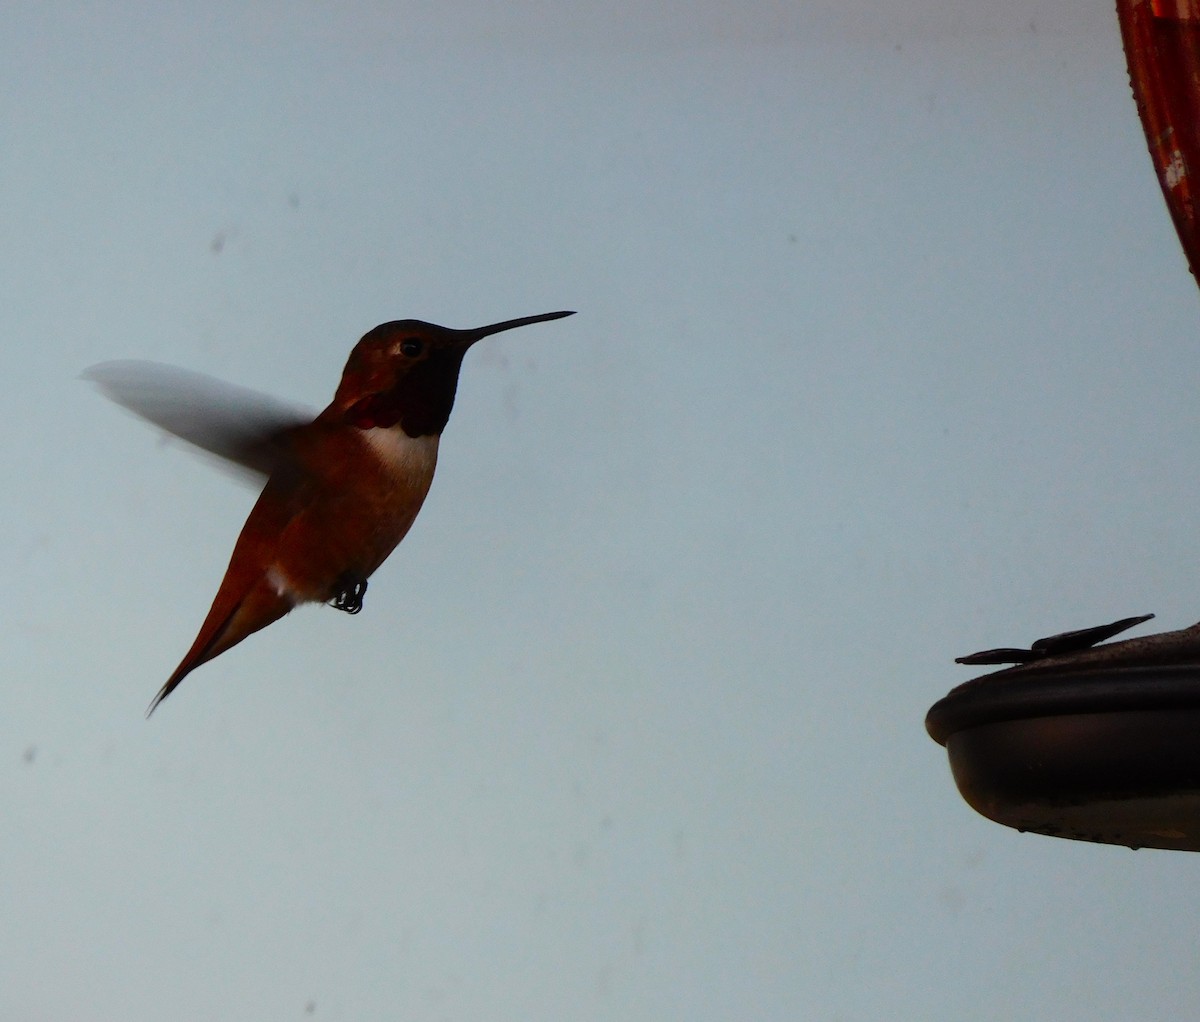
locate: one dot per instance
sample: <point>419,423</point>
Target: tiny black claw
<point>1053,645</point>
<point>350,596</point>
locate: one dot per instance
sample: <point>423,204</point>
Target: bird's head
<point>406,372</point>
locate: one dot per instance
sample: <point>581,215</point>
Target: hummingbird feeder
<point>1079,740</point>
<point>1096,743</point>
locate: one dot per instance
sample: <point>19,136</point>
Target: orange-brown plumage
<point>342,490</point>
<point>336,513</point>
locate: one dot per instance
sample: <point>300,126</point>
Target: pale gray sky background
<point>886,351</point>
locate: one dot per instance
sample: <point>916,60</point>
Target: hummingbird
<point>342,489</point>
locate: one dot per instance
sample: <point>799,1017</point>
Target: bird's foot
<point>349,596</point>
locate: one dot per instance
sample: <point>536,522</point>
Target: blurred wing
<point>247,430</point>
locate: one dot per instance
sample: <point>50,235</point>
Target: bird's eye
<point>412,347</point>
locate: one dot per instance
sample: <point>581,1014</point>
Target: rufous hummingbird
<point>341,490</point>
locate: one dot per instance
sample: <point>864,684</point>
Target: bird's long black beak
<point>471,336</point>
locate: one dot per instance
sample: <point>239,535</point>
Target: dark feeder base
<point>1101,745</point>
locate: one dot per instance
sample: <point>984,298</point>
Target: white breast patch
<point>403,454</point>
